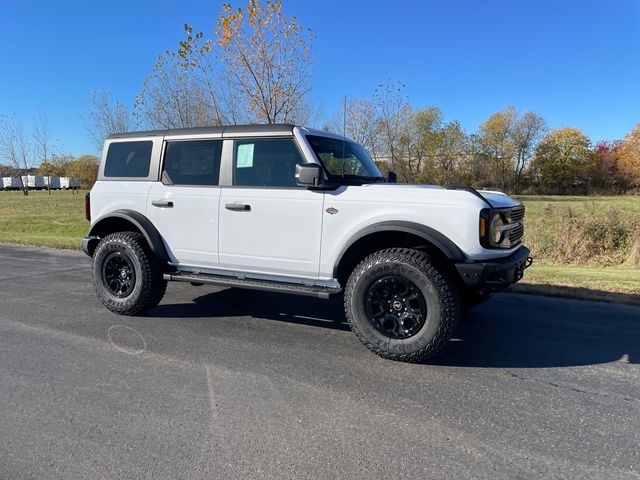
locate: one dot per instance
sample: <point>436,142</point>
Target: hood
<point>495,198</point>
<point>499,199</point>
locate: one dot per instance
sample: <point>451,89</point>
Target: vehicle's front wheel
<point>127,277</point>
<point>401,304</point>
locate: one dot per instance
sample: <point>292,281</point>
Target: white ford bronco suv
<point>290,209</point>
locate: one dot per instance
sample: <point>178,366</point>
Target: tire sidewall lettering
<point>422,281</point>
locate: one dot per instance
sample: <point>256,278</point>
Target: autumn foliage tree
<point>562,161</point>
<point>181,91</point>
<point>84,170</point>
<point>55,166</point>
<point>392,112</point>
<point>527,132</point>
<point>255,69</point>
<point>359,120</point>
<point>266,58</point>
<point>605,169</point>
<point>629,156</point>
<point>508,141</point>
<point>417,142</point>
<point>498,147</point>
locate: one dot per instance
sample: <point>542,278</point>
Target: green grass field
<point>583,205</point>
<point>589,231</point>
<point>621,279</point>
<point>564,250</point>
<point>58,221</point>
<point>55,220</point>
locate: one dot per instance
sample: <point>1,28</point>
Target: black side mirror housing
<point>392,177</point>
<point>309,175</point>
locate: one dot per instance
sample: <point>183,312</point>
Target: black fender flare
<point>142,223</point>
<point>448,248</point>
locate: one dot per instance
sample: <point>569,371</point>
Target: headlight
<point>495,228</point>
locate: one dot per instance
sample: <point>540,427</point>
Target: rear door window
<point>194,162</point>
<point>128,159</point>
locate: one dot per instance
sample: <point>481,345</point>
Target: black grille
<point>517,215</point>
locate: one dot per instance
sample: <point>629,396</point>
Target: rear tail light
<point>87,206</point>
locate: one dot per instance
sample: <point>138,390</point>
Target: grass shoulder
<point>43,220</point>
<point>614,284</point>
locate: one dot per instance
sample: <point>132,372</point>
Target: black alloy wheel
<point>396,307</point>
<point>118,274</point>
<point>128,278</point>
<point>402,303</point>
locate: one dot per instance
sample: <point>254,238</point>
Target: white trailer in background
<point>11,183</point>
<point>53,182</point>
<point>69,183</point>
<point>33,182</point>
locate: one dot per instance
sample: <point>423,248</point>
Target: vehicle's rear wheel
<point>127,277</point>
<point>401,304</point>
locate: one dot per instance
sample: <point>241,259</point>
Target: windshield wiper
<point>374,179</point>
<point>361,178</point>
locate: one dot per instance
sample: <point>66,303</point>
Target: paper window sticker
<point>244,157</point>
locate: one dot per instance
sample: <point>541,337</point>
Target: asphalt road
<point>228,384</point>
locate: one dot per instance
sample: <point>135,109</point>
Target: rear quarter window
<point>128,159</point>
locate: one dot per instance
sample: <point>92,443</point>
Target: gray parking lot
<point>217,383</point>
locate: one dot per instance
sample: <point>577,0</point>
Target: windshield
<point>344,159</point>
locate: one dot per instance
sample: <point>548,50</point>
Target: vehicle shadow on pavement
<point>541,332</point>
<point>235,302</point>
<point>508,331</point>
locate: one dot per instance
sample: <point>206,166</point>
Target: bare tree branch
<point>16,148</point>
<point>106,117</point>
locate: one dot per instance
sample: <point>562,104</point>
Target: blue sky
<point>577,63</point>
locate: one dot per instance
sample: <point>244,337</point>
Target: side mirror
<point>309,175</point>
<point>392,177</point>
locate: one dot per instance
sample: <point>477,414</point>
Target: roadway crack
<point>595,393</point>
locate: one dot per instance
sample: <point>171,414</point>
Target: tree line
<point>27,152</point>
<point>512,151</point>
<point>255,67</point>
<point>83,169</point>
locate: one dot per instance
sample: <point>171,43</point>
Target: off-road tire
<point>148,285</point>
<point>432,280</point>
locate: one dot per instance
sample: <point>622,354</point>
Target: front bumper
<point>498,273</point>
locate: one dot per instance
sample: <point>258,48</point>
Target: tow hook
<point>520,271</point>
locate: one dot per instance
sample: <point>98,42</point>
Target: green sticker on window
<point>244,157</point>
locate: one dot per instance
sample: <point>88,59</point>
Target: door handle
<point>162,203</point>
<point>238,207</point>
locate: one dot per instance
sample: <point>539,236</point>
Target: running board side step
<point>254,284</point>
